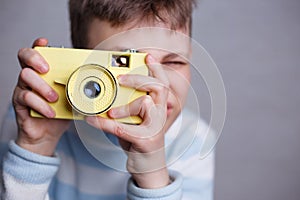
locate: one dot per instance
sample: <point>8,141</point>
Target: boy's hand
<point>38,135</point>
<point>144,143</point>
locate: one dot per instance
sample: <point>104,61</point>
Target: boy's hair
<point>175,13</point>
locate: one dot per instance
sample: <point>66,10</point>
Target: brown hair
<point>176,13</point>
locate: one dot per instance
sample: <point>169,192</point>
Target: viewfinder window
<point>120,61</point>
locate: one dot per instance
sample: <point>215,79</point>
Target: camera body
<point>86,81</point>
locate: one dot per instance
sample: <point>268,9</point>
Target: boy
<point>47,159</point>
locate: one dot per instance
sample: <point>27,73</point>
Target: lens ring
<point>77,83</point>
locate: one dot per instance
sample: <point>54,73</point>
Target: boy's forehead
<point>102,35</point>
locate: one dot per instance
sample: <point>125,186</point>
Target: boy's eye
<point>174,63</point>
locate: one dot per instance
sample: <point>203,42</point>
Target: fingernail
<point>150,58</point>
<point>43,69</point>
<point>51,114</point>
<point>121,78</point>
<point>89,120</point>
<point>111,113</point>
<point>52,96</point>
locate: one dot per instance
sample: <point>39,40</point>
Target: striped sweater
<point>80,171</point>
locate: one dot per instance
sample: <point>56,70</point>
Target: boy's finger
<point>30,78</point>
<point>130,133</point>
<point>136,108</point>
<point>40,42</point>
<point>153,115</point>
<point>33,101</point>
<point>138,82</point>
<point>120,130</point>
<point>30,58</point>
<point>157,90</point>
<point>156,69</point>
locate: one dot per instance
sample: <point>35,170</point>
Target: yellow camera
<point>86,81</point>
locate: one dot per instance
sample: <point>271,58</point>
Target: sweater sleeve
<point>171,192</point>
<point>25,174</point>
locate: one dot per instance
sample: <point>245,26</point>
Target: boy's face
<point>162,48</point>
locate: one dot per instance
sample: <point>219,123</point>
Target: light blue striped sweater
<point>76,174</point>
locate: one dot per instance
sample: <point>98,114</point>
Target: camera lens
<point>92,89</point>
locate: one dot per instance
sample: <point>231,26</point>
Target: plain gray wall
<point>256,46</point>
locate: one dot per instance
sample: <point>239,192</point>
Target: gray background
<point>257,49</point>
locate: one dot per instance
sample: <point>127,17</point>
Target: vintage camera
<point>86,81</point>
